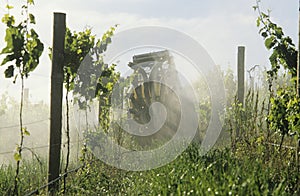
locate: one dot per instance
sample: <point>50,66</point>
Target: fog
<point>170,112</point>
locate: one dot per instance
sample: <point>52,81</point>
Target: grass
<point>220,172</point>
<point>32,174</point>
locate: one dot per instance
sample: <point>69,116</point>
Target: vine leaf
<point>17,156</point>
<point>258,22</point>
<point>31,2</point>
<point>9,7</point>
<point>9,41</point>
<point>25,131</point>
<point>9,72</point>
<point>7,59</point>
<point>270,42</point>
<point>31,19</point>
<point>264,34</point>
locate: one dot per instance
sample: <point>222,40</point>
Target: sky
<point>220,26</point>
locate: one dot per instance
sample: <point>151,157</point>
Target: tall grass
<point>251,165</point>
<point>220,172</point>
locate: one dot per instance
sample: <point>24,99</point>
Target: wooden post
<point>298,59</point>
<point>57,76</point>
<point>241,79</point>
<point>298,87</point>
<point>241,74</point>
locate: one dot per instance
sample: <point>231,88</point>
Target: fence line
<point>39,147</point>
<point>36,191</point>
<point>31,123</point>
<point>46,146</point>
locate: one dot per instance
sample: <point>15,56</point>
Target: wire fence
<point>36,191</point>
<point>25,124</point>
<point>41,147</point>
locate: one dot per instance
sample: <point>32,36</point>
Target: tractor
<point>154,79</point>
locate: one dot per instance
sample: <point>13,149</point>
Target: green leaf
<point>265,16</point>
<point>7,59</point>
<point>5,18</point>
<point>264,34</point>
<point>273,58</point>
<point>17,156</point>
<point>31,19</point>
<point>258,22</point>
<point>279,32</point>
<point>8,37</point>
<point>50,52</point>
<point>25,131</point>
<point>270,42</point>
<point>9,7</point>
<point>9,72</point>
<point>8,20</point>
<point>30,2</point>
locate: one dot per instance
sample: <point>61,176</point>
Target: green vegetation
<point>23,50</point>
<point>220,172</point>
<point>262,160</point>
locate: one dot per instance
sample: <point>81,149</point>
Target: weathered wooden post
<point>298,57</point>
<point>241,74</point>
<point>241,79</point>
<point>57,76</point>
<point>298,87</point>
